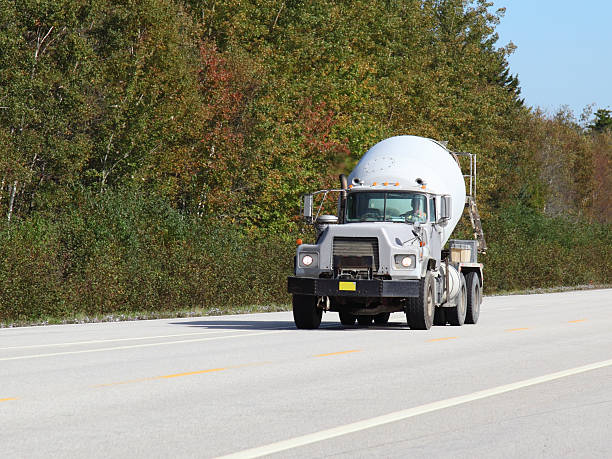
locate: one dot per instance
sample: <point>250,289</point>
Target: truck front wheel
<point>305,312</point>
<point>420,311</point>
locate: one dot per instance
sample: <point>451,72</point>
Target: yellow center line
<point>441,339</point>
<point>178,375</point>
<point>190,373</point>
<point>7,399</point>
<point>516,329</point>
<point>337,353</point>
<point>153,378</point>
<point>576,321</point>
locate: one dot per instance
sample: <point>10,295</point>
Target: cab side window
<point>432,209</point>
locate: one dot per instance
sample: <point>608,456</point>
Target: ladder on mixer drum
<point>476,224</point>
<point>470,199</point>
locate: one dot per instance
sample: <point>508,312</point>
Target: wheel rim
<point>430,302</point>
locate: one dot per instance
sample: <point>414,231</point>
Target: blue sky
<point>564,51</point>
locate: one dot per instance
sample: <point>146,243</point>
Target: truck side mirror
<point>307,210</point>
<point>445,210</point>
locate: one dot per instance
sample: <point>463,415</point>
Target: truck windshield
<point>379,206</point>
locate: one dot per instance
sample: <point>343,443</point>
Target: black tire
<point>440,316</point>
<point>364,321</point>
<point>346,318</point>
<point>456,314</point>
<point>382,318</point>
<point>305,312</point>
<point>420,311</point>
<point>474,298</point>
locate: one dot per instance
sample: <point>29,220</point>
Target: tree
<point>602,122</point>
<point>91,95</point>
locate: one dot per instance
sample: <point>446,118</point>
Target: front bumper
<point>361,287</point>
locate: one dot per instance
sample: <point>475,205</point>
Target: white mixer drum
<point>403,160</point>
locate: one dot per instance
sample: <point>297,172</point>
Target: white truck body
<point>383,252</point>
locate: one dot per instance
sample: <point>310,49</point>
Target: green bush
<point>131,253</point>
<point>31,274</point>
<point>528,250</point>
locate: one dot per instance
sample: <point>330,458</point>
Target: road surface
<point>532,379</point>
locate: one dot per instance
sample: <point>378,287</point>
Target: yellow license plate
<point>347,286</point>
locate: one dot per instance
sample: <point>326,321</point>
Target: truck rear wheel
<point>346,318</point>
<point>305,312</point>
<point>456,314</point>
<point>474,298</point>
<point>420,311</point>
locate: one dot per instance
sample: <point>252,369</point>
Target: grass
<point>538,291</point>
<point>149,315</point>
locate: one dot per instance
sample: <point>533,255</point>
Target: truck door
<point>434,233</point>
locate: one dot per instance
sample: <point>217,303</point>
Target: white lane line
<point>163,343</point>
<point>118,348</point>
<point>113,340</point>
<point>408,413</point>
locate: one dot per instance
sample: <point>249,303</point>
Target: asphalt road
<point>532,379</point>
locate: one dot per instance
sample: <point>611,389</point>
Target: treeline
<point>138,137</point>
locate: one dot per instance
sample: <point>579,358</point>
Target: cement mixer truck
<point>388,248</point>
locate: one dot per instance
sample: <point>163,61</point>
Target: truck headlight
<point>405,261</point>
<point>308,259</point>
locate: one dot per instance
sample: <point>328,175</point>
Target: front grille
<point>356,247</point>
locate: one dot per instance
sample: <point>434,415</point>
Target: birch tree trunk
<point>1,191</point>
<point>12,201</point>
